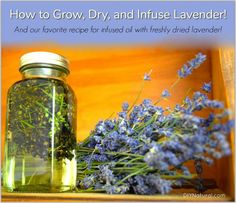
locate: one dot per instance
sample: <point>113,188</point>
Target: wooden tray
<point>177,195</point>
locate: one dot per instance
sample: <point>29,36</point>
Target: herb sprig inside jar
<point>41,127</point>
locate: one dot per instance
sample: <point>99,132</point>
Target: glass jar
<point>40,137</point>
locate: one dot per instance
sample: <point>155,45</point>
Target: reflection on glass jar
<point>41,127</point>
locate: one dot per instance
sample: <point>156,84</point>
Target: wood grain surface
<point>223,90</point>
<point>188,195</point>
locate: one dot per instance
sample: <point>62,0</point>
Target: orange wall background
<point>103,77</point>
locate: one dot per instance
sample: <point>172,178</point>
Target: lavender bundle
<point>144,149</point>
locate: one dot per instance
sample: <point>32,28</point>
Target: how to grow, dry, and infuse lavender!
<point>41,127</point>
<point>144,149</point>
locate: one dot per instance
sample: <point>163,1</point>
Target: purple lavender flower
<point>187,101</point>
<point>125,106</point>
<point>225,114</point>
<point>112,189</point>
<point>140,186</point>
<point>100,148</point>
<point>98,186</point>
<point>148,131</point>
<point>191,118</point>
<point>111,141</point>
<point>155,158</point>
<point>159,110</point>
<point>178,108</point>
<point>150,184</point>
<point>209,120</point>
<point>200,58</point>
<point>198,96</point>
<point>193,64</point>
<point>185,170</point>
<point>106,174</point>
<point>214,104</point>
<point>110,124</point>
<point>122,127</point>
<point>147,103</point>
<point>174,144</point>
<point>165,131</point>
<point>205,159</point>
<point>222,143</point>
<point>123,115</point>
<point>132,142</point>
<point>99,158</point>
<point>207,87</point>
<point>134,115</point>
<point>184,71</point>
<point>147,76</point>
<point>92,142</point>
<point>161,185</point>
<point>172,158</point>
<point>227,127</point>
<point>165,93</point>
<point>100,128</point>
<point>88,181</point>
<point>98,139</point>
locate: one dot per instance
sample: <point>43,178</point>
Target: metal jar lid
<point>42,59</point>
